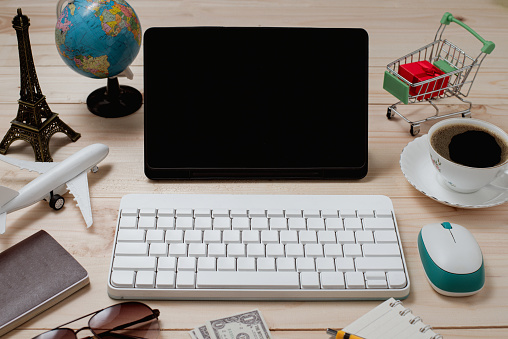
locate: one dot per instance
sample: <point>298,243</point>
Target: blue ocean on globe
<point>98,38</point>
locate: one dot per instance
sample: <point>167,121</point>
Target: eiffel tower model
<point>35,122</point>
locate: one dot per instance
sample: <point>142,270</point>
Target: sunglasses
<point>129,320</point>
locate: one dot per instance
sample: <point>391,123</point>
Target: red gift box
<point>420,71</point>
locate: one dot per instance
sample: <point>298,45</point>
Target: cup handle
<point>59,6</point>
<point>502,173</point>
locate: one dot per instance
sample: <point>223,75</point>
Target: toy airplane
<point>55,176</point>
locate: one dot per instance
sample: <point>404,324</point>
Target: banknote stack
<point>247,325</point>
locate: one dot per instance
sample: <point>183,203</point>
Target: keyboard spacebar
<point>254,280</point>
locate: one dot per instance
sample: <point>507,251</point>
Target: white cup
<point>461,178</point>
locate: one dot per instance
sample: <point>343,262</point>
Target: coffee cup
<point>469,154</point>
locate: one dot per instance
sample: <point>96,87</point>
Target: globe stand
<point>114,101</point>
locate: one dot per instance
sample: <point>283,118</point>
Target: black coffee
<point>471,146</point>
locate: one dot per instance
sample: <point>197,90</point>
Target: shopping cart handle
<point>488,46</point>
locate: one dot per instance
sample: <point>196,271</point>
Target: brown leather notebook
<point>35,274</point>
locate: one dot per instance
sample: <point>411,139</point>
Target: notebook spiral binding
<point>416,319</point>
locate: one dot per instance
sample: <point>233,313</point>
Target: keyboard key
<point>234,213</point>
<point>381,250</point>
<point>147,222</point>
<point>155,236</point>
<point>128,222</point>
<point>147,212</point>
<point>314,250</point>
<point>218,213</point>
<point>130,235</point>
<point>197,250</point>
<point>165,212</point>
<point>346,237</point>
<point>309,213</point>
<point>177,250</point>
<point>275,250</point>
<point>212,236</point>
<point>145,279</point>
<point>245,280</point>
<point>383,214</point>
<point>354,280</point>
<point>309,280</point>
<point>241,224</point>
<point>275,213</point>
<point>396,279</point>
<point>269,237</point>
<point>249,237</point>
<point>332,280</point>
<point>207,264</point>
<point>385,237</point>
<point>326,237</point>
<point>246,264</point>
<point>184,212</point>
<point>327,213</point>
<point>315,224</point>
<point>347,213</point>
<point>221,223</point>
<point>174,236</point>
<point>364,237</point>
<point>365,213</point>
<point>305,265</point>
<point>193,236</point>
<point>266,264</point>
<point>255,250</point>
<point>345,264</point>
<point>297,224</point>
<point>334,224</point>
<point>294,250</point>
<point>185,279</point>
<point>259,224</point>
<point>132,263</point>
<point>288,237</point>
<point>129,212</point>
<point>166,264</point>
<point>308,237</point>
<point>131,248</point>
<point>184,223</point>
<point>158,249</point>
<point>352,250</point>
<point>231,236</point>
<point>226,264</point>
<point>376,284</point>
<point>165,223</point>
<point>236,250</point>
<point>378,224</point>
<point>254,213</point>
<point>285,264</point>
<point>202,212</point>
<point>278,224</point>
<point>217,250</point>
<point>352,224</point>
<point>203,223</point>
<point>165,279</point>
<point>122,278</point>
<point>333,250</point>
<point>325,264</point>
<point>293,213</point>
<point>379,264</point>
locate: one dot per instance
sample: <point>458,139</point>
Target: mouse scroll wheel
<point>446,225</point>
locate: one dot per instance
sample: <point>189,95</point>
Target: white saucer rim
<point>423,138</point>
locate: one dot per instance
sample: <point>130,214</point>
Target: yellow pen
<point>342,334</point>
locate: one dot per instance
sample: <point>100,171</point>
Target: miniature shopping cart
<point>454,73</point>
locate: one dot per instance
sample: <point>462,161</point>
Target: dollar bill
<point>200,333</point>
<point>248,325</point>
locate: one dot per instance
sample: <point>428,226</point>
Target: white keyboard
<point>293,247</point>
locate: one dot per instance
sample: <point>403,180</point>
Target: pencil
<point>342,334</point>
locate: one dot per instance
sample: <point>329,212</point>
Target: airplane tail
<point>6,195</point>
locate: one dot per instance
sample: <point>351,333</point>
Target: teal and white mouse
<point>452,259</point>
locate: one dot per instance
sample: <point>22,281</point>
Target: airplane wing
<point>40,167</point>
<point>79,189</point>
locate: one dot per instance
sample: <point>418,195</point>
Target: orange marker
<point>342,334</point>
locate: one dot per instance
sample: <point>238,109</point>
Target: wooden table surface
<point>395,27</point>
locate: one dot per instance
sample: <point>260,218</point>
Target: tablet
<point>255,102</point>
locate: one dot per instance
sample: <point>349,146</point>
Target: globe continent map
<point>98,39</point>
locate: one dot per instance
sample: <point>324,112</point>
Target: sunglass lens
<point>110,322</point>
<point>59,333</point>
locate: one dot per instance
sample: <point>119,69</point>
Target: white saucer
<point>418,169</point>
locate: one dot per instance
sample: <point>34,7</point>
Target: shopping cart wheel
<point>389,113</point>
<point>415,129</point>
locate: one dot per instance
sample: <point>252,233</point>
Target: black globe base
<point>114,101</point>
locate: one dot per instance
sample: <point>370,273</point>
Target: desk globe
<point>100,39</point>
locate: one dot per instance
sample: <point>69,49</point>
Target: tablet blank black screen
<point>251,102</point>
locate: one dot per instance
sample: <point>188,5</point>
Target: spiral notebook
<point>391,320</point>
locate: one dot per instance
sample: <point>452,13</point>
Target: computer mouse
<point>452,259</point>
